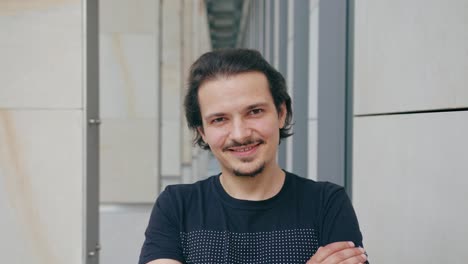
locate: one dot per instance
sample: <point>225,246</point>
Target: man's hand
<point>164,261</point>
<point>338,253</point>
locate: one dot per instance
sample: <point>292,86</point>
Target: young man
<point>253,211</point>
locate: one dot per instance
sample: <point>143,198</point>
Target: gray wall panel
<point>409,186</point>
<point>410,55</point>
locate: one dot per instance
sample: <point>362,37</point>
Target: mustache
<point>245,143</point>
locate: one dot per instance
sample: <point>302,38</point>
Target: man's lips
<point>244,150</point>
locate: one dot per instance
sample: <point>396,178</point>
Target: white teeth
<point>243,149</point>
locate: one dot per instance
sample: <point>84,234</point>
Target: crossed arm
<point>334,253</point>
<point>339,253</point>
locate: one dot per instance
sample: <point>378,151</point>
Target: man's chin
<point>249,173</point>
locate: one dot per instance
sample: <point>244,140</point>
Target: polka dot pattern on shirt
<point>282,246</point>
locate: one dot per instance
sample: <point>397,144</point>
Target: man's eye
<point>256,111</point>
<point>217,120</point>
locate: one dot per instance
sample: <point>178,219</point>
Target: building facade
<point>92,126</point>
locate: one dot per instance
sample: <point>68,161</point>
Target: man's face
<point>240,122</point>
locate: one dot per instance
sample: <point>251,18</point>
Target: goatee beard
<point>250,173</point>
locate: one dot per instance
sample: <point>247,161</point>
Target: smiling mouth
<point>244,149</point>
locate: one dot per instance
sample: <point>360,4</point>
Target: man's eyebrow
<point>250,107</point>
<point>214,115</point>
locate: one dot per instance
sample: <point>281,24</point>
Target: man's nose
<point>240,131</point>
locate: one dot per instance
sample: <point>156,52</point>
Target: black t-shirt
<point>201,223</point>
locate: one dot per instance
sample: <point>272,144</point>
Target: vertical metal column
<point>349,117</point>
<point>268,26</point>
<point>281,8</point>
<point>261,25</point>
<point>159,24</point>
<point>333,122</point>
<point>91,115</point>
<point>301,87</point>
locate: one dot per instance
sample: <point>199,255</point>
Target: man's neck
<point>260,187</point>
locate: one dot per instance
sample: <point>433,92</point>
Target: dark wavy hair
<point>228,62</point>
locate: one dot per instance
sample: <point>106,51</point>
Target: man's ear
<point>201,132</point>
<point>282,114</point>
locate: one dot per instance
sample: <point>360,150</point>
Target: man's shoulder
<point>313,186</point>
<point>186,199</point>
<point>188,190</point>
<point>188,187</point>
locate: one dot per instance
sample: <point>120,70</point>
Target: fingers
<point>326,251</point>
<point>339,253</point>
<point>347,256</point>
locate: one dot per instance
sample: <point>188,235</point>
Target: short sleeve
<point>339,221</point>
<point>162,236</point>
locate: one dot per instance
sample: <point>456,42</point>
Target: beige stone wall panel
<point>41,54</point>
<point>41,186</point>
